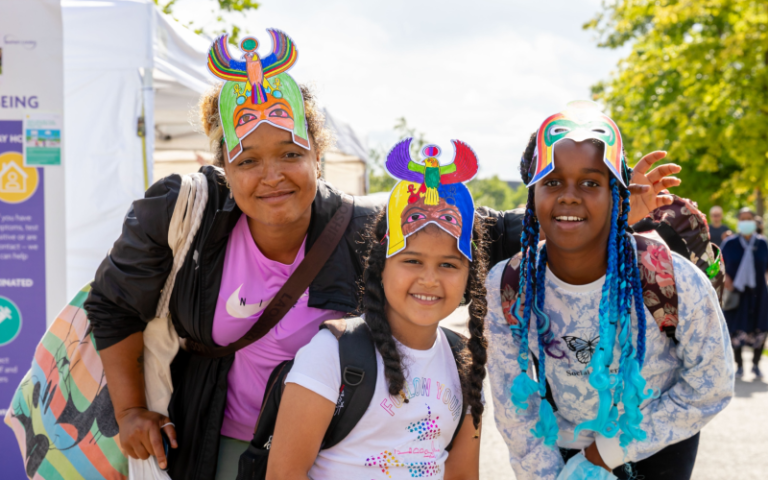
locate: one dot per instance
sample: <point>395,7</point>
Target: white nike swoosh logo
<point>238,310</point>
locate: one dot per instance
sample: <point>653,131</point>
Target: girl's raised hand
<point>648,189</point>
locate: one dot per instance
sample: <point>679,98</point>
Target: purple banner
<point>22,274</point>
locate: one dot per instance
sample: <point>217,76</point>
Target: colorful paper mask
<point>258,90</point>
<point>429,193</point>
<point>579,121</point>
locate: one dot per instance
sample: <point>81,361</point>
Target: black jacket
<point>127,286</point>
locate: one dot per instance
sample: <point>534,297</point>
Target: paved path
<point>734,446</point>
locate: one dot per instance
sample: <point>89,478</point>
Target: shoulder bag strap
<point>657,275</point>
<point>510,285</point>
<point>185,222</point>
<point>293,288</point>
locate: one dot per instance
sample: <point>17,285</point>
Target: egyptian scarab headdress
<point>430,193</point>
<point>258,90</point>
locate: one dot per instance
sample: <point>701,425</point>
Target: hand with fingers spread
<point>141,434</point>
<point>649,189</point>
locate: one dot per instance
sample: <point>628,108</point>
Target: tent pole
<point>147,87</point>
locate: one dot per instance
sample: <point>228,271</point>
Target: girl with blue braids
<point>587,382</point>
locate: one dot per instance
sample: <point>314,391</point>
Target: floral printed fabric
<point>658,278</point>
<point>695,377</point>
<point>685,218</point>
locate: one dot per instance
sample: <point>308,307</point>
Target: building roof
<point>347,140</point>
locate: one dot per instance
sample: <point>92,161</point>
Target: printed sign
<point>42,139</point>
<point>22,269</point>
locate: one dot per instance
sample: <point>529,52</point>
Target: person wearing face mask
<point>746,262</point>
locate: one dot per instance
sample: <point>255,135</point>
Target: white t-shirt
<point>393,439</point>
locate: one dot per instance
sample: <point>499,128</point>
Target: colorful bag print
<point>62,414</point>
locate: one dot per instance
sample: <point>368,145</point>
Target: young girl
<point>612,387</point>
<point>422,262</point>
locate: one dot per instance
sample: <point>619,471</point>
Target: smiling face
<point>425,282</point>
<point>417,214</point>
<point>573,202</point>
<point>274,180</point>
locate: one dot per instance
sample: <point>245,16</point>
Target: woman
<point>267,206</point>
<point>746,262</point>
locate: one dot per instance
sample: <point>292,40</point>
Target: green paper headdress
<point>258,90</point>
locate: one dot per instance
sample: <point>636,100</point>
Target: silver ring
<point>169,423</point>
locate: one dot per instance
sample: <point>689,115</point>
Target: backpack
<point>357,359</point>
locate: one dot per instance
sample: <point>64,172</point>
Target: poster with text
<point>32,215</point>
<point>22,268</point>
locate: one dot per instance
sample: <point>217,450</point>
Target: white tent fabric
<point>108,45</point>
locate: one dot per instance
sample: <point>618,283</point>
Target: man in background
<point>717,231</point>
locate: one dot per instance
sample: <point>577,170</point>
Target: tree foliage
<point>219,25</point>
<point>490,192</point>
<point>496,193</point>
<point>378,178</point>
<point>695,84</point>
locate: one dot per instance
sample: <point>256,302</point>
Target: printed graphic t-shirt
<point>394,439</point>
<point>248,283</point>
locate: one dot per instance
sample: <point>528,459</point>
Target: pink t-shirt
<point>249,282</point>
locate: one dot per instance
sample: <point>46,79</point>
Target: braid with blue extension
<point>546,427</point>
<point>634,383</point>
<point>524,386</point>
<point>624,305</point>
<point>637,292</point>
<point>601,378</point>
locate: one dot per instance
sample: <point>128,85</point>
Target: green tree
<point>695,84</point>
<point>379,180</point>
<point>496,193</point>
<point>220,25</point>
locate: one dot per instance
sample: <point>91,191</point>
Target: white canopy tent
<point>128,68</point>
<point>116,53</point>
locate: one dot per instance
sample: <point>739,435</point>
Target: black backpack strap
<point>548,394</point>
<point>357,358</point>
<point>252,464</point>
<point>457,343</point>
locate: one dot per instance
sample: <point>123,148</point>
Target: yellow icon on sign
<point>17,182</point>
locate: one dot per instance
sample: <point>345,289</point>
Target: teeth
<point>569,219</point>
<point>426,298</point>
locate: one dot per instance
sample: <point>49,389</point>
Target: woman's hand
<point>593,455</point>
<point>139,428</point>
<point>140,434</point>
<point>728,283</point>
<point>648,189</point>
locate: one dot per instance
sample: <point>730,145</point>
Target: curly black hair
<point>373,302</point>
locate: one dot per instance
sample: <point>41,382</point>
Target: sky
<point>485,72</point>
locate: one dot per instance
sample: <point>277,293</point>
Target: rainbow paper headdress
<point>258,90</point>
<point>430,193</point>
<point>581,120</point>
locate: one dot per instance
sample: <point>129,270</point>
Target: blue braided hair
<point>622,288</point>
<point>546,427</point>
<point>523,386</point>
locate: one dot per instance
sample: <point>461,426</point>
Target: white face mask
<point>746,227</point>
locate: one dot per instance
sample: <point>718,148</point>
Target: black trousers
<point>672,463</point>
<point>756,353</point>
